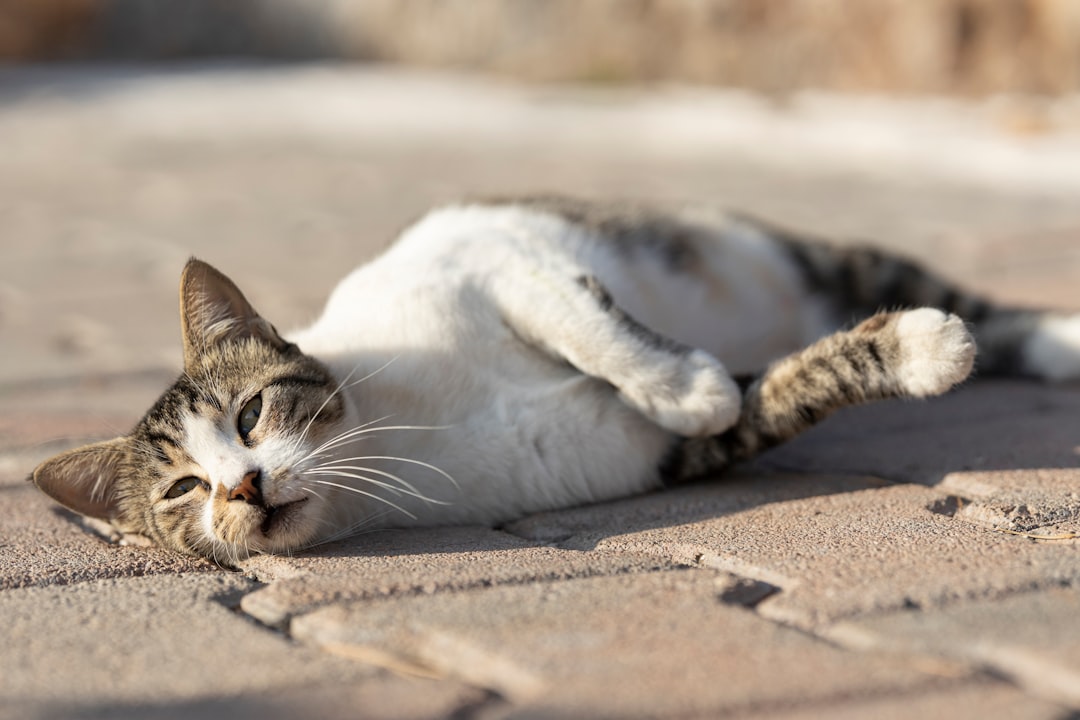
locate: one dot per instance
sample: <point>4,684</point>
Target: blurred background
<point>287,140</point>
<point>775,46</point>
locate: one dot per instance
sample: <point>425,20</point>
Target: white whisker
<point>348,531</point>
<point>367,494</point>
<point>421,463</point>
<point>341,436</point>
<point>341,386</point>
<point>322,407</point>
<point>309,491</point>
<point>396,490</point>
<point>373,373</point>
<point>360,468</point>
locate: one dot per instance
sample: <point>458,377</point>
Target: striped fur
<point>917,353</point>
<point>861,280</point>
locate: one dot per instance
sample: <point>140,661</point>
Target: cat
<point>508,357</point>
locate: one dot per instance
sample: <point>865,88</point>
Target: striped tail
<point>859,281</point>
<point>917,353</point>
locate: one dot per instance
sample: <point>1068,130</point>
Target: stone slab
<point>984,427</point>
<point>1032,639</point>
<point>89,336</point>
<point>41,417</point>
<point>42,544</point>
<point>170,647</point>
<point>425,561</point>
<point>971,701</point>
<point>1008,451</point>
<point>833,546</point>
<point>655,645</point>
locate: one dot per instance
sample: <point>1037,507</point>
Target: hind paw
<point>936,351</point>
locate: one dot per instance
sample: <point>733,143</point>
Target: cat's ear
<point>85,479</point>
<point>214,311</point>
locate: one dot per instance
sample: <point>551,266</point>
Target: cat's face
<point>218,466</point>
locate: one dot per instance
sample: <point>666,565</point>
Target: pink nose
<point>248,489</point>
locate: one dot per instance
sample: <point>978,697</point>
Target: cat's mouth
<point>279,515</point>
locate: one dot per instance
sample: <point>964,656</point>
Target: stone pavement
<point>902,560</point>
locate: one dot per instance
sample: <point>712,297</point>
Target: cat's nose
<point>249,490</point>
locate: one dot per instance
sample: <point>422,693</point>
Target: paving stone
<point>1004,472</point>
<point>654,645</point>
<point>405,562</point>
<point>833,546</point>
<point>89,334</point>
<point>42,417</point>
<point>971,701</point>
<point>43,544</point>
<point>1031,638</point>
<point>976,428</point>
<point>173,647</point>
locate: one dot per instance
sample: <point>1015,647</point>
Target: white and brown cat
<point>503,358</point>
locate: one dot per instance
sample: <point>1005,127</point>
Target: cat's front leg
<point>573,318</point>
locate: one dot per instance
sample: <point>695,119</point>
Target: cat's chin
<point>280,520</point>
<point>286,528</point>
<point>282,528</point>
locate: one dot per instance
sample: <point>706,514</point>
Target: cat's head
<point>215,468</point>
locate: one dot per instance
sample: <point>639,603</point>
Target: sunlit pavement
<point>903,560</point>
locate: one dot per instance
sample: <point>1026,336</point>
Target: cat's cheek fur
<point>225,461</point>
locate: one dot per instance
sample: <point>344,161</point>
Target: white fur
<point>743,303</point>
<point>693,397</point>
<point>1053,349</point>
<point>484,331</point>
<point>223,462</point>
<point>938,351</point>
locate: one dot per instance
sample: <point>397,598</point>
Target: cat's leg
<point>916,353</point>
<point>859,281</point>
<point>573,318</point>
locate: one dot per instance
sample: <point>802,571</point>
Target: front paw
<point>694,396</point>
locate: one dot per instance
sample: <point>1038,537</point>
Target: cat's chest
<point>516,431</point>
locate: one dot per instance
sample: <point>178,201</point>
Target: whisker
<point>397,491</point>
<point>341,386</point>
<point>367,494</point>
<point>359,468</point>
<point>309,491</point>
<point>322,407</point>
<point>357,434</point>
<point>373,373</point>
<point>378,483</point>
<point>341,436</point>
<point>421,463</point>
<point>347,531</point>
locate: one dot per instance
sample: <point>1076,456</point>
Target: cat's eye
<point>183,487</point>
<point>249,416</point>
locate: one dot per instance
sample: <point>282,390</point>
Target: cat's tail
<point>860,280</point>
<point>917,353</point>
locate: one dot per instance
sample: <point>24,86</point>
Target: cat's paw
<point>936,351</point>
<point>1052,351</point>
<point>694,396</point>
